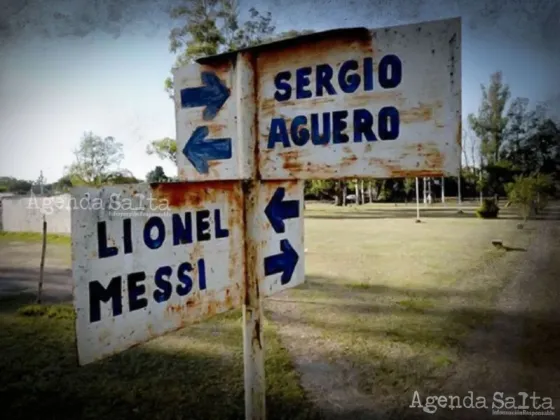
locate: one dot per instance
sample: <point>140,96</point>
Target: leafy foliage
<point>209,27</point>
<point>165,149</point>
<point>488,210</point>
<point>408,186</point>
<point>96,161</point>
<point>14,185</point>
<point>491,122</point>
<point>320,189</point>
<point>530,193</point>
<point>157,175</point>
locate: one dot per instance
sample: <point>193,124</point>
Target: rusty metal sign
<point>276,230</point>
<point>150,259</point>
<point>211,141</point>
<point>378,103</point>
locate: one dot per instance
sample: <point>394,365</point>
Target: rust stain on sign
<point>423,112</point>
<point>180,194</point>
<point>354,41</point>
<point>158,268</point>
<point>349,104</point>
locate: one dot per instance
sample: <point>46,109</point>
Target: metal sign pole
<point>253,321</point>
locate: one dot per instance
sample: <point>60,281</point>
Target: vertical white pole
<point>417,201</point>
<point>253,321</point>
<point>443,190</point>
<point>425,190</point>
<point>41,183</point>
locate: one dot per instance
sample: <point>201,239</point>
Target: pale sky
<point>69,66</point>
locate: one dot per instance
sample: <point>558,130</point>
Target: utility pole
<point>417,201</point>
<point>41,182</point>
<point>425,190</point>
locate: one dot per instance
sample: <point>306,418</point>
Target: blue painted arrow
<point>284,263</point>
<point>277,210</point>
<point>213,94</point>
<point>199,152</point>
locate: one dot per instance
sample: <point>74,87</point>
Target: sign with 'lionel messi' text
<point>149,259</point>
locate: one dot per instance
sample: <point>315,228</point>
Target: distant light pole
<point>417,201</point>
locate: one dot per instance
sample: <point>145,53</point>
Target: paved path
<point>19,270</point>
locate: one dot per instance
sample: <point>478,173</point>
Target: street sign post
<point>150,259</point>
<point>252,125</point>
<point>280,217</point>
<point>209,104</point>
<point>384,103</point>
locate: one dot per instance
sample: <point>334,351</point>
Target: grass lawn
<point>392,298</point>
<point>52,238</point>
<point>196,373</point>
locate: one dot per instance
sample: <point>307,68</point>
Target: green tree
<point>489,126</point>
<point>63,184</point>
<point>122,176</point>
<point>490,123</point>
<point>529,193</point>
<point>209,27</point>
<point>14,185</point>
<point>408,186</point>
<point>96,160</point>
<point>165,149</point>
<point>157,175</point>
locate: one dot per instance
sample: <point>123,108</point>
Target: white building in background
<point>25,214</point>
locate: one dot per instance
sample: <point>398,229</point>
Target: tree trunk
<point>459,198</point>
<point>344,192</point>
<point>357,192</point>
<point>339,193</point>
<point>370,190</point>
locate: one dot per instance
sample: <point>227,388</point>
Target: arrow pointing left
<point>213,94</point>
<point>199,151</point>
<point>284,263</point>
<point>278,210</point>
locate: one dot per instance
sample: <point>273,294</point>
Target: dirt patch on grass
<point>387,307</point>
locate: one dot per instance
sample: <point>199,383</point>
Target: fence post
<point>42,267</point>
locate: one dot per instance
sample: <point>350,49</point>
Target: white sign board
<point>212,142</point>
<point>382,103</point>
<point>277,229</point>
<point>147,260</point>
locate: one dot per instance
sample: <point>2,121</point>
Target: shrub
<point>530,193</point>
<point>488,210</point>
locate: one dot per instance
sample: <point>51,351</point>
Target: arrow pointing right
<point>284,263</point>
<point>213,94</point>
